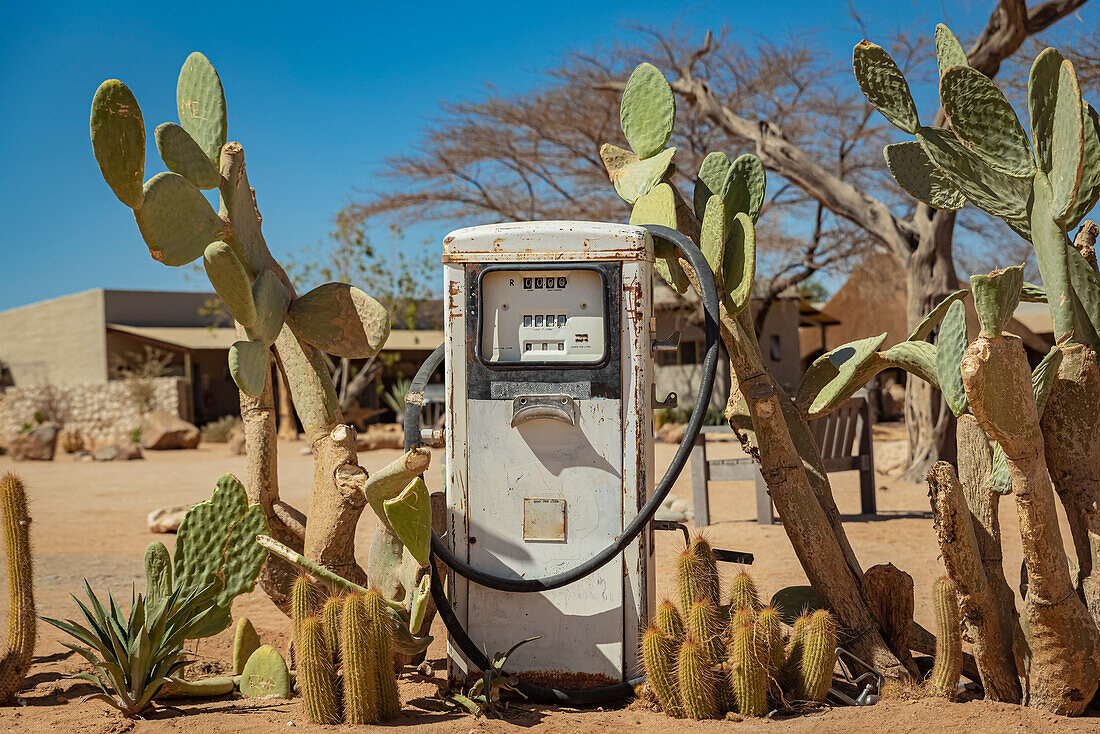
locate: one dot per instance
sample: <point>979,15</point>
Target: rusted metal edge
<point>489,257</point>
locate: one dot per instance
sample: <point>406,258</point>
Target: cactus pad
<point>1089,191</point>
<point>739,263</point>
<point>158,572</point>
<point>200,102</point>
<point>176,220</point>
<point>217,540</point>
<point>997,193</point>
<point>949,52</point>
<point>1067,143</point>
<point>230,279</point>
<point>712,235</point>
<point>658,206</point>
<point>995,299</point>
<point>950,346</point>
<point>917,358</point>
<point>935,316</point>
<point>985,121</point>
<point>266,675</point>
<point>245,642</point>
<point>341,320</point>
<point>794,601</point>
<point>648,111</point>
<point>884,85</point>
<point>921,179</point>
<point>118,141</point>
<point>745,186</point>
<point>216,686</point>
<point>248,365</point>
<point>711,181</point>
<point>836,375</point>
<point>410,516</point>
<point>632,176</point>
<point>272,300</point>
<point>1042,94</point>
<point>182,155</point>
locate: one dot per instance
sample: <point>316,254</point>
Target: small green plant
<point>484,696</point>
<point>135,435</point>
<point>394,398</point>
<point>136,655</point>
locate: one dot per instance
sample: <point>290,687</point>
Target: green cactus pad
<point>658,206</point>
<point>995,299</point>
<point>1086,288</point>
<point>158,572</point>
<point>176,220</point>
<point>245,642</point>
<point>921,179</point>
<point>712,235</point>
<point>266,675</point>
<point>201,688</point>
<point>985,121</point>
<point>272,300</point>
<point>917,358</point>
<point>182,155</point>
<point>118,141</point>
<point>987,188</point>
<point>836,375</point>
<point>745,186</point>
<point>230,279</point>
<point>1042,95</point>
<point>1067,144</point>
<point>418,606</point>
<point>217,540</point>
<point>884,86</point>
<point>739,263</point>
<point>935,316</point>
<point>631,176</point>
<point>1089,191</point>
<point>410,516</point>
<point>1000,480</point>
<point>793,601</point>
<point>1042,377</point>
<point>200,102</point>
<point>950,346</point>
<point>711,181</point>
<point>648,111</point>
<point>1052,248</point>
<point>341,320</point>
<point>949,52</point>
<point>248,366</point>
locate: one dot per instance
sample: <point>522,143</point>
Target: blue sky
<point>319,96</point>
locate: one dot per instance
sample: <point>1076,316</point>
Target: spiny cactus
<point>380,637</point>
<point>360,676</point>
<point>742,616</point>
<point>705,626</point>
<point>818,656</point>
<point>747,671</point>
<point>304,599</point>
<point>743,593</point>
<point>770,632</point>
<point>690,576</point>
<point>330,618</point>
<point>670,622</point>
<point>948,665</point>
<point>21,612</point>
<point>790,678</point>
<point>697,680</point>
<point>316,676</point>
<point>659,658</point>
<point>707,570</point>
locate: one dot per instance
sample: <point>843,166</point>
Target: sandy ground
<point>89,522</point>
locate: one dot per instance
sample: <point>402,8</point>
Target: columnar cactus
<point>670,622</point>
<point>330,618</point>
<point>659,658</point>
<point>359,660</point>
<point>944,680</point>
<point>748,673</point>
<point>21,612</point>
<point>316,676</point>
<point>697,679</point>
<point>818,656</point>
<point>743,593</point>
<point>180,226</point>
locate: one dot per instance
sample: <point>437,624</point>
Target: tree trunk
<point>288,423</point>
<point>930,276</point>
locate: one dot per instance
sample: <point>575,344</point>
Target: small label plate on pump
<point>544,519</point>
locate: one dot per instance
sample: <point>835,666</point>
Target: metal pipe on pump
<point>571,366</point>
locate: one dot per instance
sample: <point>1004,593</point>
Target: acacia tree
<point>795,104</point>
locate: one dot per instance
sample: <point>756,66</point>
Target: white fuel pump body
<point>549,379</point>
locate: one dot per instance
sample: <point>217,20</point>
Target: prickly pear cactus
<point>158,572</point>
<point>245,642</point>
<point>266,675</point>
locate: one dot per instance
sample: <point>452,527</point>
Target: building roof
<point>193,338</point>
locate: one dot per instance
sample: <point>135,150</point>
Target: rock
<point>82,455</point>
<point>305,451</point>
<point>235,440</point>
<point>381,436</point>
<point>37,444</point>
<point>671,433</point>
<point>891,456</point>
<point>129,451</point>
<point>163,430</point>
<point>166,519</point>
<point>105,453</point>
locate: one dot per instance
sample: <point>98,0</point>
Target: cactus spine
<point>706,583</point>
<point>360,676</point>
<point>948,665</point>
<point>659,660</point>
<point>316,677</point>
<point>818,656</point>
<point>743,593</point>
<point>380,637</point>
<point>688,576</point>
<point>697,680</point>
<point>748,675</point>
<point>330,618</point>
<point>705,626</point>
<point>670,622</point>
<point>791,676</point>
<point>21,613</point>
<point>303,600</point>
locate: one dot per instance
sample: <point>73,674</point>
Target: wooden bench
<point>844,437</point>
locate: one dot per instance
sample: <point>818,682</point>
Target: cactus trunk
<point>992,650</point>
<point>944,680</point>
<point>21,612</point>
<point>888,592</point>
<point>1064,639</point>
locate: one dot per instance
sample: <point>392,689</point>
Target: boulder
<point>671,433</point>
<point>105,453</point>
<point>166,519</point>
<point>235,440</point>
<point>129,451</point>
<point>891,457</point>
<point>164,430</point>
<point>37,444</point>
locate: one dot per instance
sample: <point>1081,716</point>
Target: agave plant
<point>134,658</point>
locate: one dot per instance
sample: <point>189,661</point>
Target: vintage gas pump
<point>549,349</point>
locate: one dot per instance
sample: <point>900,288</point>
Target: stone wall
<point>100,412</point>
